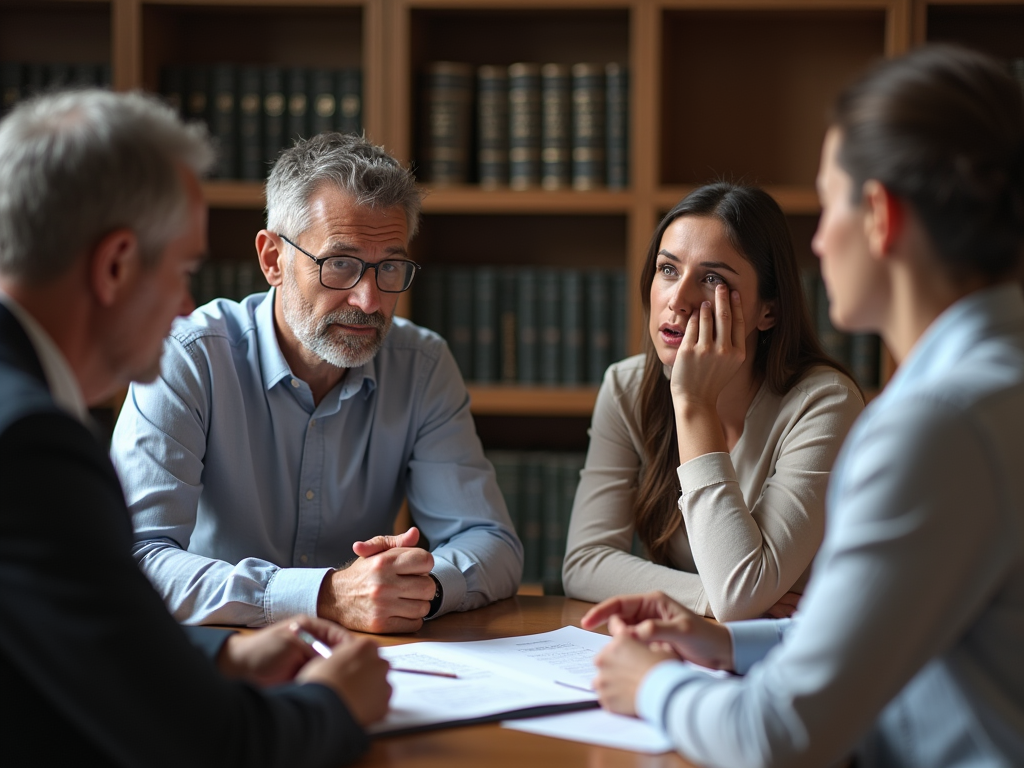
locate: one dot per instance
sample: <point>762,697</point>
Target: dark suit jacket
<point>93,670</point>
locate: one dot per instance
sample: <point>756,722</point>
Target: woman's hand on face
<point>712,351</point>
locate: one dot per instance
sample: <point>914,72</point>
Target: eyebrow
<point>707,264</point>
<point>344,249</point>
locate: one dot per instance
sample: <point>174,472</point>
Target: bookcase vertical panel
<point>745,93</point>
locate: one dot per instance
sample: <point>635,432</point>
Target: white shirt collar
<point>63,384</point>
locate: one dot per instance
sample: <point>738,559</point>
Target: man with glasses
<point>285,430</point>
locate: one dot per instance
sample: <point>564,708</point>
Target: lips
<point>671,335</point>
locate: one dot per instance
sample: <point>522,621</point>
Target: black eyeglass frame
<point>362,271</point>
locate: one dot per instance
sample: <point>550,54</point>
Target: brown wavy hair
<point>756,228</point>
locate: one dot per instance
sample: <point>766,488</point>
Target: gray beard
<point>322,336</point>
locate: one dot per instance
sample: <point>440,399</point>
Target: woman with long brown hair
<point>733,402</point>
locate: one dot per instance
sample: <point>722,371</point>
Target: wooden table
<point>490,745</point>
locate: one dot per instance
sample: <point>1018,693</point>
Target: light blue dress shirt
<point>909,644</point>
<point>244,494</point>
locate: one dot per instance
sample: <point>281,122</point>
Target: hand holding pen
<point>326,652</point>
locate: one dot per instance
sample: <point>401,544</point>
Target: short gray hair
<point>76,165</point>
<point>351,164</point>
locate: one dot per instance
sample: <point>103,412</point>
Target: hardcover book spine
<point>492,126</point>
<point>527,318</point>
<point>524,125</point>
<point>507,469</point>
<point>865,351</point>
<point>197,103</point>
<point>349,98</point>
<point>598,336</point>
<point>550,324</point>
<point>172,88</point>
<point>250,124</point>
<point>835,343</point>
<point>275,104</point>
<point>429,299</point>
<point>588,138</point>
<point>297,121</point>
<point>10,85</point>
<point>460,319</point>
<point>507,353</point>
<point>618,315</point>
<point>485,322</point>
<point>323,111</point>
<point>616,78</point>
<point>447,104</point>
<point>556,127</point>
<point>531,514</point>
<point>553,534</point>
<point>90,76</point>
<point>572,328</point>
<point>224,119</point>
<point>58,75</point>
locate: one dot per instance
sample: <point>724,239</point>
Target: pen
<point>425,672</point>
<point>312,642</point>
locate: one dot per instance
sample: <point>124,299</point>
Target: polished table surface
<point>490,745</point>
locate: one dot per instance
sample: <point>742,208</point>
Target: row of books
<point>539,488</point>
<point>526,325</point>
<point>227,279</point>
<point>254,112</point>
<point>19,80</point>
<point>859,352</point>
<point>550,126</point>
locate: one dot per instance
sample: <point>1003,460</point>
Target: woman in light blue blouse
<point>907,646</point>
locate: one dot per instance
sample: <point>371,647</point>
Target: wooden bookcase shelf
<point>735,89</point>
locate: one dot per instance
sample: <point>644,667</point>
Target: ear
<point>767,318</point>
<point>114,266</point>
<point>268,248</point>
<point>884,218</point>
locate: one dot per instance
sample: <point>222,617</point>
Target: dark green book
<point>173,88</point>
<point>492,126</point>
<point>835,343</point>
<point>429,299</point>
<point>460,319</point>
<point>570,465</point>
<point>508,353</point>
<point>447,120</point>
<point>532,515</point>
<point>588,137</point>
<point>527,332</point>
<point>251,165</point>
<point>248,277</point>
<point>553,529</point>
<point>524,125</point>
<point>323,101</point>
<point>507,470</point>
<point>204,283</point>
<point>865,355</point>
<point>549,285</point>
<point>10,85</point>
<point>556,127</point>
<point>598,327</point>
<point>197,94</point>
<point>227,279</point>
<point>618,314</point>
<point>485,322</point>
<point>297,116</point>
<point>224,120</point>
<point>616,128</point>
<point>349,100</point>
<point>275,105</point>
<point>58,75</point>
<point>572,328</point>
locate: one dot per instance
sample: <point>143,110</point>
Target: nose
<point>365,295</point>
<point>684,296</point>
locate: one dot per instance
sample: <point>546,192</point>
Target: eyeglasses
<point>343,272</point>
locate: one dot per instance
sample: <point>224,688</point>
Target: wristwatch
<point>435,601</point>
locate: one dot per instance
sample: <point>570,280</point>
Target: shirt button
<point>304,559</point>
<point>312,423</point>
<point>295,383</point>
<point>310,495</point>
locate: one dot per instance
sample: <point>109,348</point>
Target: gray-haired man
<point>102,221</point>
<point>286,430</point>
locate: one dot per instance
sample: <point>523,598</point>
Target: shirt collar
<point>275,368</point>
<point>62,382</point>
<point>958,329</point>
